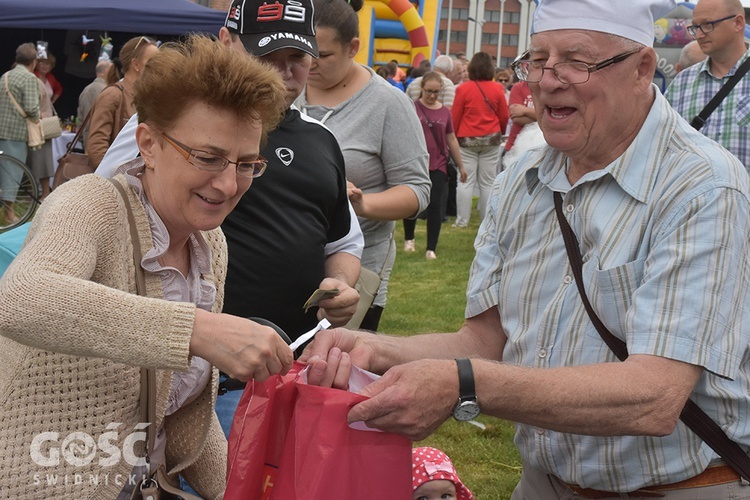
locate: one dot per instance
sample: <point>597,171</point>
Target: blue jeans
<point>226,404</point>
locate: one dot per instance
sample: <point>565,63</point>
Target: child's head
<point>434,477</point>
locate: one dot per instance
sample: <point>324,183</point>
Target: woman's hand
<point>356,198</point>
<point>239,347</point>
<point>462,174</point>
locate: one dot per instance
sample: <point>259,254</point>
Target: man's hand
<point>413,399</point>
<point>328,365</point>
<point>339,309</point>
<point>521,115</point>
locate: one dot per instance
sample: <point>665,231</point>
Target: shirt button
<point>542,353</point>
<point>568,279</point>
<point>570,208</point>
<point>539,431</point>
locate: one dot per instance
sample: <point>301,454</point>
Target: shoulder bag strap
<point>116,127</point>
<point>700,120</point>
<point>148,375</point>
<point>442,145</point>
<point>387,257</point>
<point>692,416</point>
<point>80,130</point>
<point>13,99</point>
<point>485,98</point>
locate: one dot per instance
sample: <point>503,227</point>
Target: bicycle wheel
<point>18,192</point>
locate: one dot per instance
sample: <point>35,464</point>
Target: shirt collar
<point>635,170</point>
<point>200,250</point>
<point>704,66</point>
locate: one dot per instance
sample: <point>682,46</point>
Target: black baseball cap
<point>265,27</point>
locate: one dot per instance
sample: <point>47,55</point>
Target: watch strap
<point>466,389</point>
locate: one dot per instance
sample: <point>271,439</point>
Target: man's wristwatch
<point>467,407</point>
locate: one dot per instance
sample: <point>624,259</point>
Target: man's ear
<point>146,139</point>
<point>646,67</point>
<point>225,37</point>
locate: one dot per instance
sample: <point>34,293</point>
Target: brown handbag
<point>73,164</point>
<point>156,485</point>
<point>34,128</point>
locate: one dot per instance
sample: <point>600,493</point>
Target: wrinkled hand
<point>334,371</point>
<point>356,197</point>
<point>239,347</point>
<point>339,309</point>
<point>413,399</point>
<point>325,355</point>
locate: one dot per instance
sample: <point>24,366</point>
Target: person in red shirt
<point>480,115</point>
<point>521,109</point>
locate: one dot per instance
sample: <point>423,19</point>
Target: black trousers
<point>434,211</point>
<point>449,198</point>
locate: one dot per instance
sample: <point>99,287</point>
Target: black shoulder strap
<point>485,98</point>
<point>692,416</point>
<point>700,120</point>
<point>430,125</point>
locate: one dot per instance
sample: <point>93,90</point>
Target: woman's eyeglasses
<point>209,162</point>
<point>143,39</point>
<point>431,92</point>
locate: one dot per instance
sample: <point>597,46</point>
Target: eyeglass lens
<point>706,27</point>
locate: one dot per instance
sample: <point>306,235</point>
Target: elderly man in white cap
<point>660,214</point>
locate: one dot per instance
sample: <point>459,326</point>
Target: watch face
<point>466,410</point>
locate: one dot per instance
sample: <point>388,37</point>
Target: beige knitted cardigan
<point>73,338</point>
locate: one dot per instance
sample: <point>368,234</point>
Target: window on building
<point>458,36</point>
<point>510,40</point>
<point>505,62</point>
<point>461,14</point>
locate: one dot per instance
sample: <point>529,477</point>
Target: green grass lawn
<point>430,296</point>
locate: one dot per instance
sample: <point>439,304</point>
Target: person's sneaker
<point>460,226</point>
<point>430,255</point>
<point>409,246</point>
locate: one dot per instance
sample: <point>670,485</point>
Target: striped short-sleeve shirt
<point>663,231</point>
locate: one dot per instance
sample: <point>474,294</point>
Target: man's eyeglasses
<point>209,162</point>
<point>706,27</point>
<point>432,92</point>
<point>569,73</point>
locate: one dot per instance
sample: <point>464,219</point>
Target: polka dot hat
<point>430,464</point>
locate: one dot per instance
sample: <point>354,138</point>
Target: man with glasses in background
<point>660,214</point>
<point>719,28</point>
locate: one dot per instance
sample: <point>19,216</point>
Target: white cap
<point>631,19</point>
